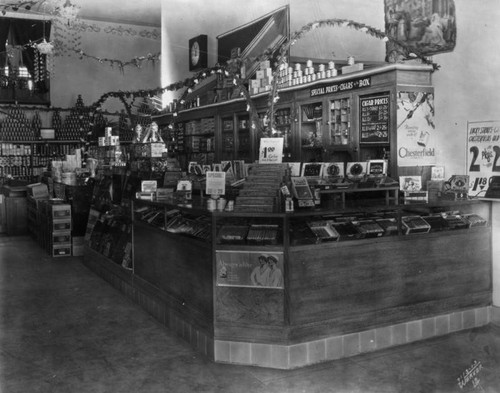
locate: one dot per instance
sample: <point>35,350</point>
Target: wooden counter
<point>338,299</point>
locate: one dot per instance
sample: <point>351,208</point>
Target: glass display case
<point>340,121</point>
<point>227,138</point>
<point>244,150</point>
<point>311,132</point>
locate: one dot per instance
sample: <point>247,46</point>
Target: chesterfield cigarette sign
<point>415,128</point>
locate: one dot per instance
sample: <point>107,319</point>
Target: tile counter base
<point>332,348</point>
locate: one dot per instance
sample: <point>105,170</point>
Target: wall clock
<point>198,53</point>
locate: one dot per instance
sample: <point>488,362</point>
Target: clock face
<point>195,53</point>
<point>198,53</point>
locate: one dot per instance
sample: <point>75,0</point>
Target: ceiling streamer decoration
<point>232,70</point>
<point>137,61</point>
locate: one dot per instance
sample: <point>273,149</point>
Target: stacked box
<point>60,237</point>
<point>54,217</point>
<point>263,79</point>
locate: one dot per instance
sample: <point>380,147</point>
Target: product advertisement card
<point>250,269</point>
<point>216,183</point>
<point>483,158</point>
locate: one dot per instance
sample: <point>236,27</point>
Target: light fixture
<point>44,47</point>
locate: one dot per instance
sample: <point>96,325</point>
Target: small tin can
<point>230,206</point>
<point>211,204</point>
<point>350,60</point>
<point>221,204</point>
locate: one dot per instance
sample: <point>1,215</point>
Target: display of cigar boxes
<point>416,197</point>
<point>475,220</point>
<point>369,228</point>
<point>414,224</point>
<point>323,230</point>
<point>346,230</point>
<point>389,225</point>
<point>437,223</point>
<point>455,195</point>
<point>232,234</point>
<point>300,234</point>
<point>263,234</point>
<point>456,221</point>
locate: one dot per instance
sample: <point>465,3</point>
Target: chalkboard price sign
<point>374,119</point>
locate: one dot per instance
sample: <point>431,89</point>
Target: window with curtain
<point>24,76</point>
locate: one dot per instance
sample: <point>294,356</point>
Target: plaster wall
<point>91,78</point>
<point>184,19</point>
<point>467,89</point>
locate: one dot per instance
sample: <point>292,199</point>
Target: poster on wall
<point>250,269</point>
<point>426,26</point>
<point>415,129</point>
<point>483,158</point>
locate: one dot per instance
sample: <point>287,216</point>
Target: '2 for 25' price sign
<point>483,155</point>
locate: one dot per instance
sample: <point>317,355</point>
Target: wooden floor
<point>64,329</point>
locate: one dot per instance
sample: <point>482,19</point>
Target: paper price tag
<point>216,183</point>
<point>271,151</point>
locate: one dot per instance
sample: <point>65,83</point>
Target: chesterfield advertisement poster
<point>415,128</point>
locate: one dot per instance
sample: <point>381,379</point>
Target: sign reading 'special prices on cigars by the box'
<point>351,84</point>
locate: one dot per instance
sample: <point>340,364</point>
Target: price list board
<point>374,119</point>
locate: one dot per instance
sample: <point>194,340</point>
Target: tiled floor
<point>64,329</point>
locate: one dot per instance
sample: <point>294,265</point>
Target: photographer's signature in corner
<point>470,375</point>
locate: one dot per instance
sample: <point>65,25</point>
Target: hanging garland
<point>403,49</point>
<point>137,61</point>
<point>232,71</point>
